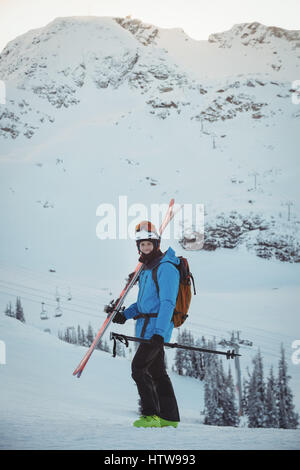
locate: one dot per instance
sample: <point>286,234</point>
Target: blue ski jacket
<point>149,302</point>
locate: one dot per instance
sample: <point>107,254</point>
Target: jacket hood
<point>170,256</point>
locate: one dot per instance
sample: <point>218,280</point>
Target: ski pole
<point>124,339</point>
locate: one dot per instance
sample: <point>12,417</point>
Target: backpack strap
<point>154,277</point>
<point>192,277</point>
<point>154,274</point>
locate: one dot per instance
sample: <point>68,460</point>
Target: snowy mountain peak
<point>144,33</point>
<point>51,49</point>
<point>60,64</point>
<point>147,33</point>
<point>254,34</point>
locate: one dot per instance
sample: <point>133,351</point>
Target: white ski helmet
<point>145,230</point>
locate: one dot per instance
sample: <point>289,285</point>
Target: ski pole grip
<point>121,338</point>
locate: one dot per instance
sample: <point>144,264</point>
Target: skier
<point>153,313</point>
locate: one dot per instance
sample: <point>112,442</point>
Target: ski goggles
<point>145,230</point>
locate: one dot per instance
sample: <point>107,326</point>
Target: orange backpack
<point>184,295</point>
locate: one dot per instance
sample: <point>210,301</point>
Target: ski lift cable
<point>42,294</point>
<point>207,330</point>
<point>263,334</point>
<point>49,299</point>
<point>272,353</point>
<point>266,336</point>
<point>47,292</point>
<point>94,303</point>
<point>247,328</point>
<point>268,345</point>
<point>50,277</point>
<point>51,303</point>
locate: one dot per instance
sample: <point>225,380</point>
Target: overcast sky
<point>198,18</point>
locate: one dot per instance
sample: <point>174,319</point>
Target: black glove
<point>157,340</point>
<point>119,318</point>
<point>111,306</point>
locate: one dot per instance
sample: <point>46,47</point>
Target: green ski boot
<point>165,422</point>
<point>147,422</point>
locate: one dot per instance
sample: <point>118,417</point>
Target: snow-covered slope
<point>43,406</point>
<point>97,108</point>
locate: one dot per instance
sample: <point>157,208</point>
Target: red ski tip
<point>77,373</point>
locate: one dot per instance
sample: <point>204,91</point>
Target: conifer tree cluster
<point>85,338</point>
<point>18,313</point>
<point>269,404</point>
<point>220,407</point>
<point>189,363</point>
<point>219,395</point>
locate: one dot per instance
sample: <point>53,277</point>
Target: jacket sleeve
<point>168,283</point>
<point>131,311</point>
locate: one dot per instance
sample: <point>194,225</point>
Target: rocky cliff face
<point>256,34</point>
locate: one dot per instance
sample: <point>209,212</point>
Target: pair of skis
<point>79,369</point>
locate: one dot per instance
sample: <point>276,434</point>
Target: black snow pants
<point>153,383</point>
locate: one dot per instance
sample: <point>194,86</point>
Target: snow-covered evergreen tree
<point>219,396</point>
<point>189,363</point>
<point>287,417</point>
<point>190,356</point>
<point>245,394</point>
<point>198,359</point>
<point>90,335</point>
<point>79,336</point>
<point>70,335</point>
<point>256,394</point>
<point>178,363</point>
<point>83,338</point>
<point>212,382</point>
<point>271,420</point>
<point>106,347</point>
<point>230,411</point>
<point>19,311</point>
<point>74,339</point>
<point>100,346</point>
<point>65,336</point>
<point>183,362</point>
<point>9,310</point>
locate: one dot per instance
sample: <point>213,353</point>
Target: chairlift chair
<point>43,315</point>
<point>58,311</point>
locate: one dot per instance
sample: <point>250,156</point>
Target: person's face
<point>146,247</point>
